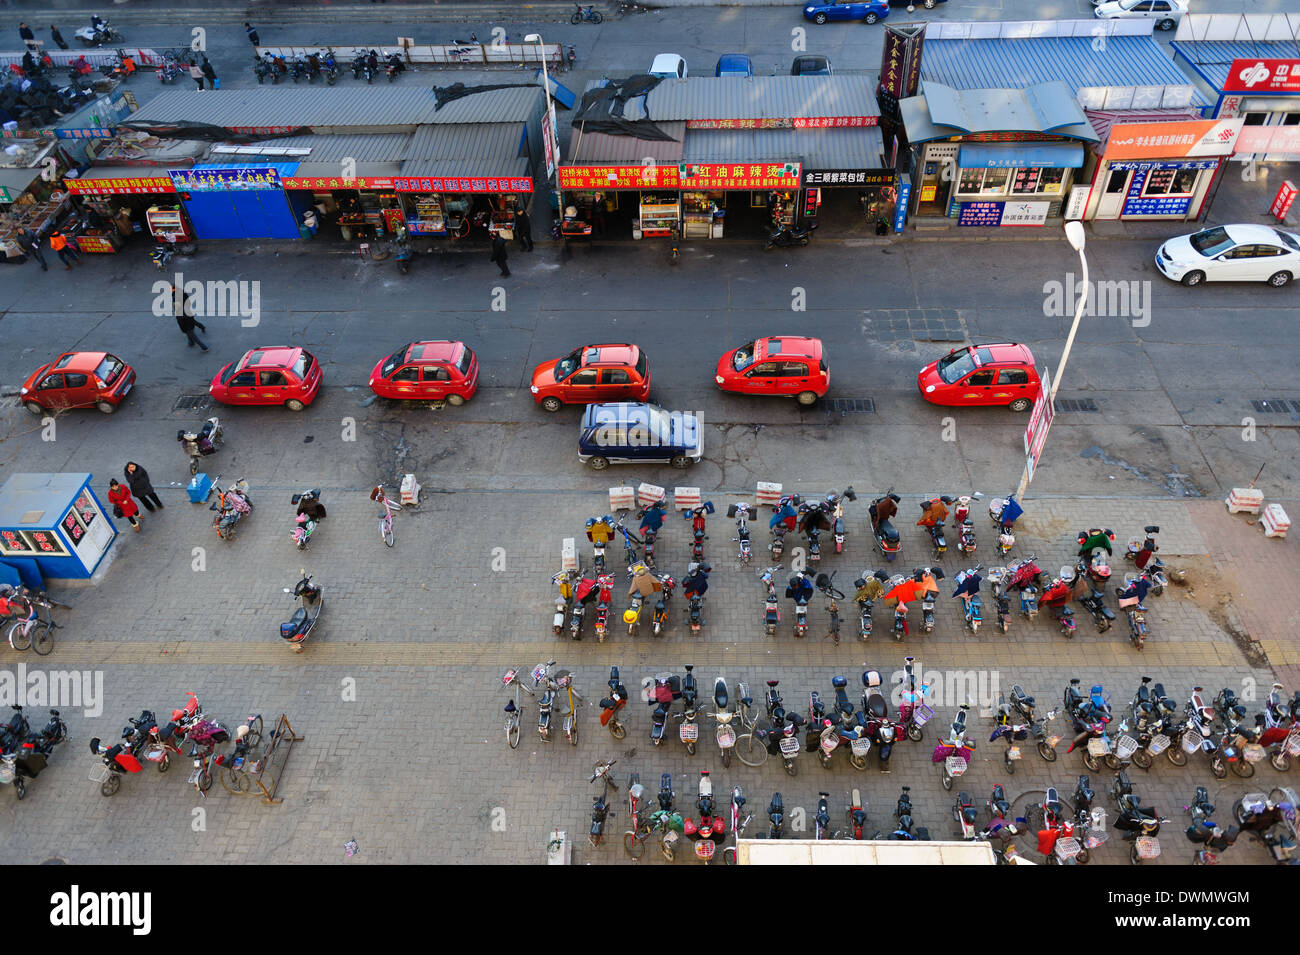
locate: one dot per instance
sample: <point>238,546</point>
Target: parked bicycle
<point>386,517</point>
<point>510,679</point>
<point>750,746</point>
<point>31,629</point>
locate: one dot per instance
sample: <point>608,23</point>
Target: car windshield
<point>392,361</point>
<point>955,366</point>
<point>1287,239</point>
<point>567,365</point>
<point>466,358</point>
<point>1210,242</point>
<point>109,369</point>
<point>744,357</point>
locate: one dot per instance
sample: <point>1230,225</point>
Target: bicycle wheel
<point>234,781</point>
<point>752,752</point>
<point>729,855</point>
<point>254,735</point>
<point>19,637</point>
<point>512,732</point>
<point>205,780</point>
<point>110,785</point>
<point>43,642</point>
<point>634,844</point>
<point>386,531</point>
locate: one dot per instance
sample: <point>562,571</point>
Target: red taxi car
<point>78,379</point>
<point>782,365</point>
<point>592,374</point>
<point>427,371</point>
<point>977,375</point>
<point>271,375</point>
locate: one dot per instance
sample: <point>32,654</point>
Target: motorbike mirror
<point>287,590</point>
<point>937,573</point>
<point>849,494</point>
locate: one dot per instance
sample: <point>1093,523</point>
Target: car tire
<point>34,407</point>
<point>1279,279</point>
<point>107,407</point>
<point>680,461</point>
<point>870,18</point>
<point>1165,24</point>
<point>455,400</point>
<point>819,19</point>
<point>1193,278</point>
<point>806,398</point>
<point>929,4</point>
<point>551,403</point>
<point>1020,405</point>
<point>597,463</point>
<point>293,404</point>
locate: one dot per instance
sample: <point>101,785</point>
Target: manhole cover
<point>193,403</point>
<point>853,405</point>
<point>1275,405</point>
<point>1076,405</point>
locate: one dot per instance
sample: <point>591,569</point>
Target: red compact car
<point>272,375</point>
<point>592,374</point>
<point>790,367</point>
<point>427,371</point>
<point>1002,374</point>
<point>79,379</point>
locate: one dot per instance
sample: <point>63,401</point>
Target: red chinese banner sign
<point>456,184</point>
<point>337,182</point>
<point>116,187</point>
<point>793,122</point>
<point>740,175</point>
<point>1263,76</point>
<point>619,177</point>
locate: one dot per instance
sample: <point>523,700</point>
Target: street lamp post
<point>554,139</point>
<point>1075,236</point>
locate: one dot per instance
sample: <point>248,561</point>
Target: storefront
<point>622,186</point>
<point>117,201</point>
<point>237,201</point>
<point>1160,170</point>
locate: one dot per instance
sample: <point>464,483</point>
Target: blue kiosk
<point>52,525</point>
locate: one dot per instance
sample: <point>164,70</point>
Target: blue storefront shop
<point>238,202</point>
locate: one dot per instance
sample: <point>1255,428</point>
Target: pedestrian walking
<point>27,35</point>
<point>210,73</point>
<point>185,320</point>
<point>137,478</point>
<point>524,226</point>
<point>28,242</point>
<point>66,253</point>
<point>499,254</point>
<point>196,74</point>
<point>123,505</point>
<point>57,37</point>
<point>252,34</point>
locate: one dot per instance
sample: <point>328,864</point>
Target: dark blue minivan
<point>628,432</point>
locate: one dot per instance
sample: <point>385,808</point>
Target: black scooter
<point>787,237</point>
<point>311,602</point>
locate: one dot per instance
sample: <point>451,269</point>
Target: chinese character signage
<point>1282,201</point>
<point>491,184</point>
<point>900,63</point>
<point>92,133</point>
<point>225,179</point>
<point>1263,76</point>
<point>794,122</point>
<point>1135,204</point>
<point>649,176</point>
<point>1186,164</point>
<point>325,183</point>
<point>849,177</point>
<point>115,187</point>
<point>904,197</point>
<point>1024,214</point>
<point>739,175</point>
<point>1167,140</point>
<point>93,243</point>
<point>980,214</point>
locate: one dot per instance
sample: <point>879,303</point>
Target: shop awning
<point>120,180</point>
<point>1020,155</point>
<point>14,182</point>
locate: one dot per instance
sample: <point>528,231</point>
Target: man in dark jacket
<point>28,242</point>
<point>210,72</point>
<point>499,254</point>
<point>57,37</point>
<point>138,478</point>
<point>524,226</point>
<point>185,318</point>
<point>28,37</point>
<point>252,34</point>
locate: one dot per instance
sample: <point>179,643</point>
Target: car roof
<point>81,361</point>
<point>1242,233</point>
<point>734,61</point>
<point>270,356</point>
<point>620,413</point>
<point>789,346</point>
<point>1007,352</point>
<point>616,354</point>
<point>667,62</point>
<point>808,63</point>
<point>433,351</point>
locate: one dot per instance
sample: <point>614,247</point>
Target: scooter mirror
<point>287,590</point>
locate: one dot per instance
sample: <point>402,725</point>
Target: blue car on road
<point>869,11</point>
<point>628,432</point>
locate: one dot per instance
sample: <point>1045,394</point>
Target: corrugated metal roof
<point>285,169</point>
<point>816,148</point>
<point>1018,63</point>
<point>468,141</point>
<point>944,112</point>
<point>332,170</point>
<point>600,147</point>
<point>1213,58</point>
<point>1102,120</point>
<point>376,147</point>
<point>756,97</point>
<point>469,166</point>
<point>340,107</point>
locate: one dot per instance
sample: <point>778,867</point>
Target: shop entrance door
<point>1113,193</point>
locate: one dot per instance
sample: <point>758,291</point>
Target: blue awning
<point>1020,155</point>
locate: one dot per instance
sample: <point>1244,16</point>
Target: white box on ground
<point>686,498</point>
<point>1275,521</point>
<point>569,554</point>
<point>768,493</point>
<point>621,498</point>
<point>410,490</point>
<point>1246,500</point>
<point>647,494</point>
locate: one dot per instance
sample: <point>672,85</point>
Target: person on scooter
<point>652,518</point>
<point>799,588</point>
<point>395,63</point>
<point>309,505</point>
<point>786,514</point>
<point>968,586</point>
<point>1135,593</point>
<point>871,588</point>
<point>372,61</point>
<point>696,580</point>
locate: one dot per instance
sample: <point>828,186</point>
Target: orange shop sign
<point>1173,140</point>
<point>649,176</point>
<point>740,175</point>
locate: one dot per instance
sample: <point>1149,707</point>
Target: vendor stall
<point>55,520</point>
<point>117,201</point>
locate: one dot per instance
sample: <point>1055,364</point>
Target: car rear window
<point>642,366</point>
<point>392,361</point>
<point>466,359</point>
<point>303,365</point>
<point>1210,242</point>
<point>109,369</point>
<point>1287,239</point>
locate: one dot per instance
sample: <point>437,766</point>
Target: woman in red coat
<point>120,495</point>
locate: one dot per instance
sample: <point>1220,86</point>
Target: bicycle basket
<point>860,747</point>
<point>155,754</point>
<point>1098,746</point>
<point>1067,848</point>
<point>829,744</point>
<point>955,765</point>
<point>704,849</point>
<point>789,747</point>
<point>922,715</point>
<point>1125,747</point>
<point>1293,744</point>
<point>1158,745</point>
<point>689,732</point>
<point>1013,752</point>
<point>1253,752</point>
<point>100,774</point>
<point>509,676</point>
<point>726,737</point>
<point>1147,847</point>
<point>1191,741</point>
<point>1095,839</point>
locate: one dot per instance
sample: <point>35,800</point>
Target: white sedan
<point>1166,13</point>
<point>1232,253</point>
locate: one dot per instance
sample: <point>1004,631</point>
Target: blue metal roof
<point>1212,58</point>
<point>1018,63</point>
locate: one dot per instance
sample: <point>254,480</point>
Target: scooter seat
<point>720,697</point>
<point>295,623</point>
<point>888,532</point>
<point>876,706</point>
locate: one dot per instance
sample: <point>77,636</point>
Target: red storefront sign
<point>793,122</point>
<point>337,182</point>
<point>703,176</point>
<point>1282,201</point>
<point>618,177</point>
<point>117,187</point>
<point>1263,76</point>
<point>457,184</point>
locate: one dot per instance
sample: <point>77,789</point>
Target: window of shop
<point>700,210</point>
<point>1170,182</point>
<point>1034,180</point>
<point>1291,119</point>
<point>1256,119</point>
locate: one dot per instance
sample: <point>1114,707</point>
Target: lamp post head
<point>1074,235</point>
<point>533,38</point>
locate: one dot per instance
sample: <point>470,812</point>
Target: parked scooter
<point>1271,819</point>
<point>1003,513</point>
<point>118,760</point>
<point>1010,729</point>
<point>961,520</point>
<point>600,810</point>
<point>1140,824</point>
<point>544,692</point>
<point>954,752</point>
<point>997,577</point>
<point>232,505</point>
<point>836,504</point>
<point>934,513</point>
<point>776,817</point>
<point>689,731</point>
<point>855,816</point>
<point>393,66</point>
<point>771,608</point>
<point>928,578</point>
<point>711,829</point>
<point>968,589</point>
<point>311,601</point>
<point>783,521</point>
<point>207,440</point>
<point>665,690</point>
<point>698,517</point>
<point>1091,599</point>
<point>24,754</point>
<point>722,715</point>
<point>906,830</point>
<point>800,589</point>
<point>652,521</point>
<point>604,588</point>
<point>310,512</point>
<point>1095,549</point>
<point>1130,597</point>
<point>883,529</point>
<point>913,711</point>
<point>661,618</point>
<point>585,592</point>
<point>740,512</point>
<point>1056,598</point>
<point>1143,555</point>
<point>613,704</point>
<point>865,599</point>
<point>788,237</point>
